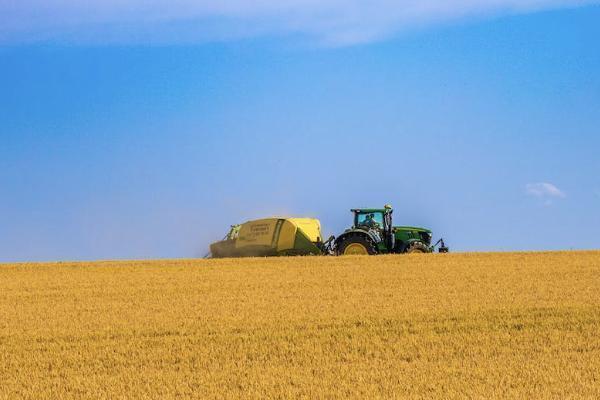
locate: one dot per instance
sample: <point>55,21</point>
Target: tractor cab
<point>373,218</point>
<point>368,218</point>
<point>378,223</point>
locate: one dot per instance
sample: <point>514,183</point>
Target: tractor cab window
<point>365,219</point>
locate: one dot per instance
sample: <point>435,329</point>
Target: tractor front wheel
<point>356,245</point>
<point>417,247</point>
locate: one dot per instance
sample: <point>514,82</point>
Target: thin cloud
<point>544,190</point>
<point>335,22</point>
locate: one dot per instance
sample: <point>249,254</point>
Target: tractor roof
<point>367,210</point>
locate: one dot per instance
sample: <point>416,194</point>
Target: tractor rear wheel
<point>356,245</point>
<point>417,247</point>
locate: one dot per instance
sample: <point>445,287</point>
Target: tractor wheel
<point>417,247</point>
<point>356,245</point>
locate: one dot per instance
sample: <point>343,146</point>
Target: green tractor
<point>373,233</point>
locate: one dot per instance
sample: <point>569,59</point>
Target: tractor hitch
<point>328,246</point>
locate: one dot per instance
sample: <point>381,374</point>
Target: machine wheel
<point>356,245</point>
<point>417,247</point>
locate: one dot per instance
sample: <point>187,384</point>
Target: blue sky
<point>146,137</point>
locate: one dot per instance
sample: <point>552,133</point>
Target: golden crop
<point>515,325</point>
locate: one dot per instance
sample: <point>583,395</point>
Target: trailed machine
<point>271,237</point>
<point>372,232</point>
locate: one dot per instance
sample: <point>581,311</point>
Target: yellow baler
<point>271,237</point>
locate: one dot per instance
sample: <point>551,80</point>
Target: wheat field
<point>512,325</point>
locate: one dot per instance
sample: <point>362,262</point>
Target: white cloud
<point>336,22</point>
<point>544,190</point>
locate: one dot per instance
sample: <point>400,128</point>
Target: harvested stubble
<point>514,325</point>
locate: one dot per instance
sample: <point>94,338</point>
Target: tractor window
<point>377,217</point>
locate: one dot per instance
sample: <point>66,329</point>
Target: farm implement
<point>372,233</point>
